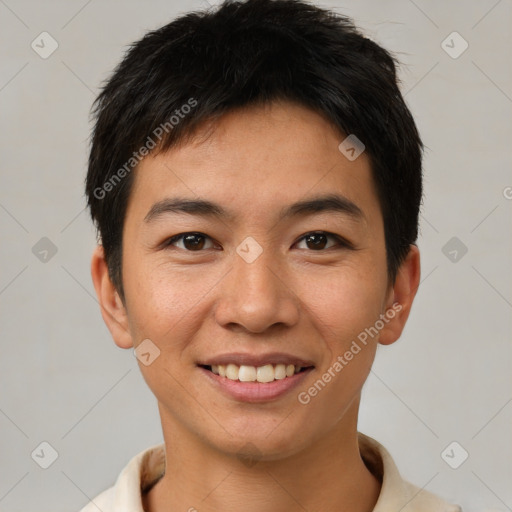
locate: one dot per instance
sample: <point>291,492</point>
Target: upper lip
<point>240,358</point>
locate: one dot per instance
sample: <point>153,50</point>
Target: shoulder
<point>397,493</point>
<point>141,472</point>
<point>422,500</point>
<point>102,502</point>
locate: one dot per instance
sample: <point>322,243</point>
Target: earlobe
<point>401,297</point>
<point>112,309</point>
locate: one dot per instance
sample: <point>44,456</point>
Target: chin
<point>274,441</point>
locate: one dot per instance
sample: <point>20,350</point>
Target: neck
<point>329,476</point>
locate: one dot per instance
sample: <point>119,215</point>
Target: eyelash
<point>341,242</point>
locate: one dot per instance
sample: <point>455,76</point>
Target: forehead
<point>254,161</point>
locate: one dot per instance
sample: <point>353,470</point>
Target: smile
<point>262,374</point>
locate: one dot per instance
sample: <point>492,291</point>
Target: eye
<point>190,241</point>
<point>318,240</point>
<point>195,242</point>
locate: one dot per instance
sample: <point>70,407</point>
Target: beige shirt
<point>146,468</point>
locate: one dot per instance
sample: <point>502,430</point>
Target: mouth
<point>261,374</point>
<point>255,378</point>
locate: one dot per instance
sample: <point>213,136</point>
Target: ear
<point>400,297</point>
<point>113,310</point>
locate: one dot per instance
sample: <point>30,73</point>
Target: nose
<point>256,297</point>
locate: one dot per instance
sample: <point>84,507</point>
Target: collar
<point>396,495</point>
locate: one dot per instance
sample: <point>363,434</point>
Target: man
<point>255,178</point>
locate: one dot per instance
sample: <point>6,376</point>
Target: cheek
<point>342,309</point>
<point>343,303</point>
<point>166,302</point>
<point>167,306</point>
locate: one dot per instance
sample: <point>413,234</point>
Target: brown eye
<point>190,241</point>
<point>317,241</point>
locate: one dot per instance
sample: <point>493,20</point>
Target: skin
<point>295,298</point>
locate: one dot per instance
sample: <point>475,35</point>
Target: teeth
<point>280,371</point>
<point>232,371</point>
<point>247,374</point>
<point>266,373</point>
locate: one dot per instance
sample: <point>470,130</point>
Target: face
<point>259,245</point>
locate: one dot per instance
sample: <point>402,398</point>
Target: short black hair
<point>253,52</point>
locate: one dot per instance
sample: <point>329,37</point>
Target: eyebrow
<point>317,204</point>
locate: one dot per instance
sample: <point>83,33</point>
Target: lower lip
<point>255,391</point>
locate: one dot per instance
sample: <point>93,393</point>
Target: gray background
<point>63,380</point>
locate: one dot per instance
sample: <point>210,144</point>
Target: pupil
<point>191,241</point>
<point>317,244</point>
